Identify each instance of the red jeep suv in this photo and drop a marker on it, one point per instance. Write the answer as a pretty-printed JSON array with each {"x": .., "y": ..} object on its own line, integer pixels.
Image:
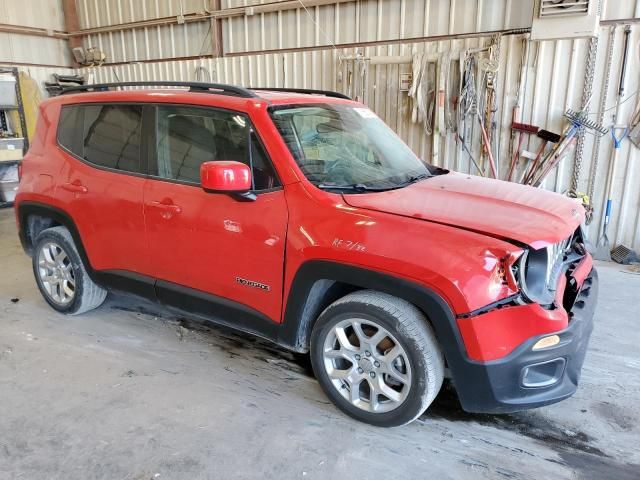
[{"x": 300, "y": 217}]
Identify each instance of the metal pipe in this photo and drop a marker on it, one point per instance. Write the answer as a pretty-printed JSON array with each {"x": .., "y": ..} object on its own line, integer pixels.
[
  {"x": 395, "y": 41},
  {"x": 6, "y": 63},
  {"x": 619, "y": 21},
  {"x": 33, "y": 31},
  {"x": 326, "y": 47},
  {"x": 405, "y": 59},
  {"x": 382, "y": 60},
  {"x": 625, "y": 53}
]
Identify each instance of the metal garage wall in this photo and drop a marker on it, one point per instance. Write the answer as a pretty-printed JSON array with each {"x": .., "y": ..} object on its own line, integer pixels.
[
  {"x": 366, "y": 21},
  {"x": 24, "y": 49},
  {"x": 625, "y": 221},
  {"x": 555, "y": 72},
  {"x": 342, "y": 23},
  {"x": 620, "y": 9},
  {"x": 186, "y": 40}
]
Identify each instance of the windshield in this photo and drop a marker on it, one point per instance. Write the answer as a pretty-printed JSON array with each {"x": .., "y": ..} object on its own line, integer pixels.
[{"x": 346, "y": 146}]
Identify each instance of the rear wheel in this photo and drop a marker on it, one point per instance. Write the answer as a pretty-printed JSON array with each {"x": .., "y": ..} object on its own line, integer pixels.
[
  {"x": 61, "y": 276},
  {"x": 377, "y": 358}
]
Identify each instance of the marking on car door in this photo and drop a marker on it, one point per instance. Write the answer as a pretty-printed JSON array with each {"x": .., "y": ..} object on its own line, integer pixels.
[{"x": 253, "y": 284}]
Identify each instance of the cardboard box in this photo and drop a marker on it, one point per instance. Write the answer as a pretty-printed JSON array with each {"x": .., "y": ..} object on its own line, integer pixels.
[{"x": 11, "y": 149}]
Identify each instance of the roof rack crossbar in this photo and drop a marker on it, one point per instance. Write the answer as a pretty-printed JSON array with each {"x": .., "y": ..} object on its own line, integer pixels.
[
  {"x": 326, "y": 93},
  {"x": 218, "y": 88}
]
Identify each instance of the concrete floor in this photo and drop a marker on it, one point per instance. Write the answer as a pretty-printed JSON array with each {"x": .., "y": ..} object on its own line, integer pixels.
[{"x": 130, "y": 391}]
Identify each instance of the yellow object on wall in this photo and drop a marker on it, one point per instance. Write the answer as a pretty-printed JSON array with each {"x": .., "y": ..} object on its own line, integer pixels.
[{"x": 31, "y": 98}]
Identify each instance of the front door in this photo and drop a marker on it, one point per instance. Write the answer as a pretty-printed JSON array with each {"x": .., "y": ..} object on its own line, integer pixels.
[{"x": 208, "y": 245}]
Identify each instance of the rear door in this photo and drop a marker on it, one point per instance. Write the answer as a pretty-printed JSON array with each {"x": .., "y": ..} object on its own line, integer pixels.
[
  {"x": 209, "y": 245},
  {"x": 102, "y": 182}
]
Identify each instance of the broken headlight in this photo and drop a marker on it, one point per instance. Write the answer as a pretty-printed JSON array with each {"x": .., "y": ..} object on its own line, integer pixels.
[{"x": 538, "y": 272}]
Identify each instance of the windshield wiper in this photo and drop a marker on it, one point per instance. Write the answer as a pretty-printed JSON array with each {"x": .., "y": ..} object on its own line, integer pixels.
[
  {"x": 354, "y": 187},
  {"x": 413, "y": 179},
  {"x": 361, "y": 187}
]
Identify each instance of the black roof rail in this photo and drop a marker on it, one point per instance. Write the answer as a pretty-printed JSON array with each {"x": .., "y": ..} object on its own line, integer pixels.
[
  {"x": 217, "y": 88},
  {"x": 326, "y": 93}
]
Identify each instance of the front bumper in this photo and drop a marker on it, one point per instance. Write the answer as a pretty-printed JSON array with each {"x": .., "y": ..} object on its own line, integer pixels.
[{"x": 525, "y": 378}]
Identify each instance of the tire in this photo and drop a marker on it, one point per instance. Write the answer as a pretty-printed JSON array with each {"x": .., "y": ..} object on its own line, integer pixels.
[
  {"x": 349, "y": 346},
  {"x": 70, "y": 289}
]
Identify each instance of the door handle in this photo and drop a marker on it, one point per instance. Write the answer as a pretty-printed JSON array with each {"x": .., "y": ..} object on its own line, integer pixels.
[
  {"x": 167, "y": 207},
  {"x": 74, "y": 188}
]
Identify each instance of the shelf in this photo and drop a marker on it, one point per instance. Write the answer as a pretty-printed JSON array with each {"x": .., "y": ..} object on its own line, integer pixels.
[{"x": 9, "y": 107}]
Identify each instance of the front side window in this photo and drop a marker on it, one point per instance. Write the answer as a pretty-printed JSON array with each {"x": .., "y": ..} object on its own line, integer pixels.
[
  {"x": 344, "y": 146},
  {"x": 104, "y": 135},
  {"x": 190, "y": 136}
]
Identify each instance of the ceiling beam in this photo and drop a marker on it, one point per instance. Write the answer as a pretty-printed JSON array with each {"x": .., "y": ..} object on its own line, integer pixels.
[{"x": 71, "y": 24}]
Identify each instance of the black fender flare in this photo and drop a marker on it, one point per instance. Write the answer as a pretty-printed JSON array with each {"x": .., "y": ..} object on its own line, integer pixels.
[
  {"x": 299, "y": 317},
  {"x": 28, "y": 208}
]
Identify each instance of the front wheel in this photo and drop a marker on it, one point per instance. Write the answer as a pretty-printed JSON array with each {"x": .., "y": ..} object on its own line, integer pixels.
[{"x": 377, "y": 358}]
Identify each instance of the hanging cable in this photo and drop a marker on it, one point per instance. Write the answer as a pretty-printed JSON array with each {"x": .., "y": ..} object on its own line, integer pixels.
[
  {"x": 206, "y": 35},
  {"x": 321, "y": 30}
]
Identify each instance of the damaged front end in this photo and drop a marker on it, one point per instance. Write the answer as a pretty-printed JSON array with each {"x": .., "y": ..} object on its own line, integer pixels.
[
  {"x": 544, "y": 274},
  {"x": 548, "y": 282},
  {"x": 528, "y": 350}
]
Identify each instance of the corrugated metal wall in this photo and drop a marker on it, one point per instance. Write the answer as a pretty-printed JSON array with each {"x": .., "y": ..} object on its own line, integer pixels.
[
  {"x": 15, "y": 48},
  {"x": 343, "y": 23},
  {"x": 189, "y": 39},
  {"x": 366, "y": 21},
  {"x": 555, "y": 72}
]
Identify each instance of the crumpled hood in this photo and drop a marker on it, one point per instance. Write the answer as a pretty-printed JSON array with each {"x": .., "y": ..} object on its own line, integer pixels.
[{"x": 502, "y": 209}]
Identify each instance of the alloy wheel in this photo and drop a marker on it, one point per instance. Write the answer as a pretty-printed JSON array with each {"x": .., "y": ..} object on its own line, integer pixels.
[
  {"x": 56, "y": 273},
  {"x": 367, "y": 365}
]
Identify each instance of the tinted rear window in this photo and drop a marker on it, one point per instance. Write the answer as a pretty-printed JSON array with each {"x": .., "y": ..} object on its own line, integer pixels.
[
  {"x": 104, "y": 135},
  {"x": 70, "y": 123}
]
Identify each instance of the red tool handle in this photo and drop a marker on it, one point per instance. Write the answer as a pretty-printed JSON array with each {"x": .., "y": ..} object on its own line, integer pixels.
[{"x": 516, "y": 154}]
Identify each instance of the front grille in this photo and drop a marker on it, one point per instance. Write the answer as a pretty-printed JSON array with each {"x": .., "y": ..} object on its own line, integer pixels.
[{"x": 557, "y": 256}]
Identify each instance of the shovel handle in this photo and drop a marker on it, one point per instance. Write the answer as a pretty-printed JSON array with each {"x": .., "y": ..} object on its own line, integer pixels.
[{"x": 607, "y": 212}]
